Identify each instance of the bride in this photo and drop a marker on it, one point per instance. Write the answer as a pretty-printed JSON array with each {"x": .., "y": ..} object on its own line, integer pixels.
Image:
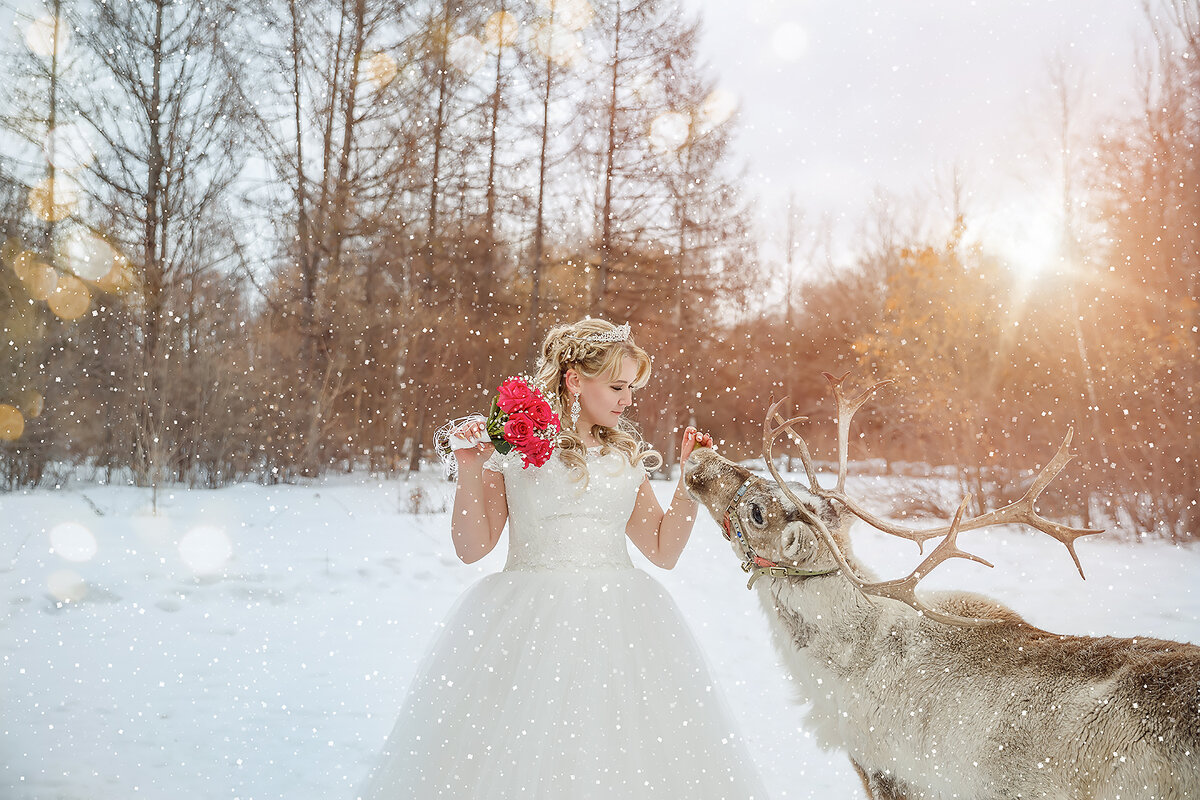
[{"x": 570, "y": 674}]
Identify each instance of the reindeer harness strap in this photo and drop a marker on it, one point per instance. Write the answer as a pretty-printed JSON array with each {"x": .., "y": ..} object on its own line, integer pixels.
[{"x": 752, "y": 562}]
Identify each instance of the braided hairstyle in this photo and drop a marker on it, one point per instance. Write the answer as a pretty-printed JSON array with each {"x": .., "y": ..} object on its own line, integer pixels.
[{"x": 565, "y": 347}]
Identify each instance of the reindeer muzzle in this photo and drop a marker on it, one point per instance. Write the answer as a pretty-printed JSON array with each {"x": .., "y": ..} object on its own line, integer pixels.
[{"x": 732, "y": 526}]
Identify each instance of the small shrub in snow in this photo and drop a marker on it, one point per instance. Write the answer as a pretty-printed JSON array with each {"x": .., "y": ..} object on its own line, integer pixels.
[{"x": 421, "y": 501}]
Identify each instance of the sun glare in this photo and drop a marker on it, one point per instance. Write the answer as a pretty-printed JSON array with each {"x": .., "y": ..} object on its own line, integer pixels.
[{"x": 1027, "y": 238}]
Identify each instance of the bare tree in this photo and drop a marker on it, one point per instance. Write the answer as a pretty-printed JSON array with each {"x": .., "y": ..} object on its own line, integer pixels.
[
  {"x": 336, "y": 129},
  {"x": 32, "y": 255},
  {"x": 702, "y": 219},
  {"x": 641, "y": 37},
  {"x": 1141, "y": 184},
  {"x": 166, "y": 132},
  {"x": 1067, "y": 89}
]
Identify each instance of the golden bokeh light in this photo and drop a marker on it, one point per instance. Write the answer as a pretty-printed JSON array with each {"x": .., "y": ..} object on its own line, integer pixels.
[
  {"x": 573, "y": 15},
  {"x": 33, "y": 405},
  {"x": 70, "y": 299},
  {"x": 718, "y": 107},
  {"x": 55, "y": 200},
  {"x": 557, "y": 43},
  {"x": 669, "y": 131},
  {"x": 12, "y": 423},
  {"x": 40, "y": 279},
  {"x": 68, "y": 147},
  {"x": 120, "y": 278},
  {"x": 73, "y": 542},
  {"x": 645, "y": 88},
  {"x": 466, "y": 54},
  {"x": 381, "y": 69},
  {"x": 85, "y": 254},
  {"x": 500, "y": 31},
  {"x": 66, "y": 585},
  {"x": 39, "y": 36},
  {"x": 206, "y": 550}
]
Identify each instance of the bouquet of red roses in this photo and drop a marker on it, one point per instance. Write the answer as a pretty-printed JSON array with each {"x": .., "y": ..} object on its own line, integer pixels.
[{"x": 520, "y": 419}]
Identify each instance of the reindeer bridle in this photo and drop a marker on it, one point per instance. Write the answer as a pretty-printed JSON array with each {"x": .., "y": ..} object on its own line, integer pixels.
[{"x": 732, "y": 525}]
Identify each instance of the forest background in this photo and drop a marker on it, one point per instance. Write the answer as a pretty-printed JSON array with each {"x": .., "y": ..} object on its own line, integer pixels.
[{"x": 270, "y": 240}]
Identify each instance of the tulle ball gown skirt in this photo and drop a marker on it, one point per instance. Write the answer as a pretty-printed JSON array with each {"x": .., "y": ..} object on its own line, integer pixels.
[{"x": 561, "y": 684}]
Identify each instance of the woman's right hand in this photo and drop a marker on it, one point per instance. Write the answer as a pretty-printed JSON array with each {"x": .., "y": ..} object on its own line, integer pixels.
[{"x": 472, "y": 430}]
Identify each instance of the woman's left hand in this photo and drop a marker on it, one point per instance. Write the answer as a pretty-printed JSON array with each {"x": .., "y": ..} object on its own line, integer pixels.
[{"x": 692, "y": 439}]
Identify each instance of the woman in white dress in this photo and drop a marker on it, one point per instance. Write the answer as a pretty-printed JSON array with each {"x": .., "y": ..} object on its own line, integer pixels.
[{"x": 570, "y": 674}]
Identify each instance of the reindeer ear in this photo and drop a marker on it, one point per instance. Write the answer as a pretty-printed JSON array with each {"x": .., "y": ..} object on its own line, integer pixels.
[
  {"x": 817, "y": 506},
  {"x": 801, "y": 491},
  {"x": 812, "y": 503}
]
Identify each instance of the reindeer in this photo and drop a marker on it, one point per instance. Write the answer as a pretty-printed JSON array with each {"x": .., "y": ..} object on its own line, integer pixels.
[{"x": 949, "y": 695}]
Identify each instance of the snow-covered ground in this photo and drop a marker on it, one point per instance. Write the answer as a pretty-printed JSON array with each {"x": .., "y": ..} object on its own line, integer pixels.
[{"x": 255, "y": 642}]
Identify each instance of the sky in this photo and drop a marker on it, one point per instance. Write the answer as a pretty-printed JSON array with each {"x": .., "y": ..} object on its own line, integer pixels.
[{"x": 840, "y": 98}]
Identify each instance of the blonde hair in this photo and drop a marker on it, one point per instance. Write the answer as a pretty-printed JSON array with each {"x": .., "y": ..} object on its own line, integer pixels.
[{"x": 567, "y": 347}]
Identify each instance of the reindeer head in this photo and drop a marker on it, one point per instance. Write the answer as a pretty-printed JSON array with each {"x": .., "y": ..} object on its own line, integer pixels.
[
  {"x": 775, "y": 527},
  {"x": 793, "y": 530}
]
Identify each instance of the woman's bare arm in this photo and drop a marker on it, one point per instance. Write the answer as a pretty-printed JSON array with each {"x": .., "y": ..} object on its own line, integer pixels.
[
  {"x": 661, "y": 536},
  {"x": 480, "y": 502}
]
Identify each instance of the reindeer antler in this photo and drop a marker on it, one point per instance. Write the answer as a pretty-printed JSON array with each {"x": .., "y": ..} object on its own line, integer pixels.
[
  {"x": 1021, "y": 511},
  {"x": 847, "y": 408},
  {"x": 769, "y": 436}
]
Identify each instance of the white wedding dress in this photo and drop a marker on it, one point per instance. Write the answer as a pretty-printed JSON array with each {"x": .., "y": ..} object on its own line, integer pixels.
[{"x": 570, "y": 674}]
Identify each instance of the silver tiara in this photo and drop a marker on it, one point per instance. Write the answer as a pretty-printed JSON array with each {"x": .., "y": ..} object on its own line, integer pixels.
[{"x": 618, "y": 334}]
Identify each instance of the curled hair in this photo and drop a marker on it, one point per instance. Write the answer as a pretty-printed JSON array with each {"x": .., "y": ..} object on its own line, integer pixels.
[{"x": 566, "y": 347}]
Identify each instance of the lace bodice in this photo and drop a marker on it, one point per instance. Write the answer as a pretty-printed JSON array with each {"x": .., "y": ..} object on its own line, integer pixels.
[{"x": 557, "y": 523}]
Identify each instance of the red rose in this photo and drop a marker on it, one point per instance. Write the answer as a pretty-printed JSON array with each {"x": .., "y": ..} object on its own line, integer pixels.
[
  {"x": 515, "y": 395},
  {"x": 542, "y": 415},
  {"x": 536, "y": 452},
  {"x": 527, "y": 421},
  {"x": 519, "y": 430}
]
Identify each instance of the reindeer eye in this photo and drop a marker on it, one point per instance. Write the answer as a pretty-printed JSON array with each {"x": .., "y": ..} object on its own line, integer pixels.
[{"x": 756, "y": 514}]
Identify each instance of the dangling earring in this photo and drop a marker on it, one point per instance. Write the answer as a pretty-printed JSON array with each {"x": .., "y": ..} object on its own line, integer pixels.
[{"x": 575, "y": 411}]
